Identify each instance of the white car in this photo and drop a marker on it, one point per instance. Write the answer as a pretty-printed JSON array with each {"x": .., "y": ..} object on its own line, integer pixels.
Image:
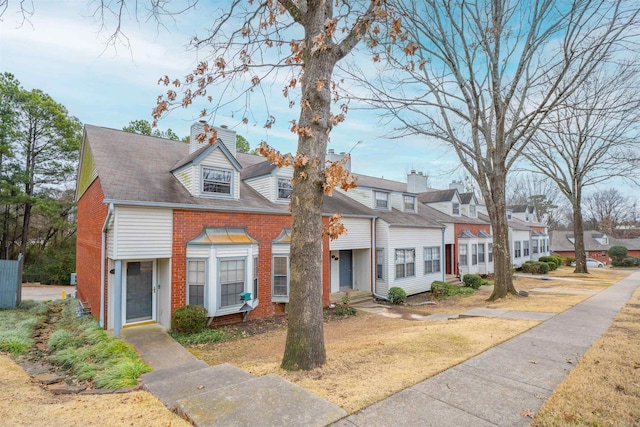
[{"x": 594, "y": 263}]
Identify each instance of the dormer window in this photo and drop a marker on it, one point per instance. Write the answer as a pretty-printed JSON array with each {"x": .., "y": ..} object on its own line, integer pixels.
[
  {"x": 216, "y": 181},
  {"x": 605, "y": 240},
  {"x": 284, "y": 188},
  {"x": 382, "y": 200},
  {"x": 472, "y": 211},
  {"x": 409, "y": 203},
  {"x": 509, "y": 212},
  {"x": 456, "y": 208}
]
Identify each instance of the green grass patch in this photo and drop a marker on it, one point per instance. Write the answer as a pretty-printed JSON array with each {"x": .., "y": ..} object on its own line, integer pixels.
[
  {"x": 16, "y": 327},
  {"x": 209, "y": 335},
  {"x": 83, "y": 348}
]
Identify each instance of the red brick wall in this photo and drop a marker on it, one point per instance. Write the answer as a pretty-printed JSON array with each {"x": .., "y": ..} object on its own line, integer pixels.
[
  {"x": 474, "y": 228},
  {"x": 262, "y": 227},
  {"x": 91, "y": 215}
]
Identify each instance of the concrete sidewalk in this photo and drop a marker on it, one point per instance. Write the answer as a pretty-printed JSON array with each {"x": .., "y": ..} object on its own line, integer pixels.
[
  {"x": 222, "y": 395},
  {"x": 506, "y": 383}
]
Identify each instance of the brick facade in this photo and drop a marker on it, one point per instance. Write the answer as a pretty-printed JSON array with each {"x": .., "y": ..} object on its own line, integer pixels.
[
  {"x": 92, "y": 213},
  {"x": 262, "y": 227}
]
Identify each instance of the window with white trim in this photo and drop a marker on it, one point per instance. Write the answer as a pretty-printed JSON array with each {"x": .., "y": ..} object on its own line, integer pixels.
[
  {"x": 481, "y": 253},
  {"x": 405, "y": 263},
  {"x": 216, "y": 181},
  {"x": 280, "y": 277},
  {"x": 409, "y": 203},
  {"x": 431, "y": 259},
  {"x": 382, "y": 199},
  {"x": 517, "y": 249},
  {"x": 232, "y": 281},
  {"x": 196, "y": 282},
  {"x": 525, "y": 248},
  {"x": 534, "y": 246},
  {"x": 474, "y": 254},
  {"x": 380, "y": 264},
  {"x": 255, "y": 278},
  {"x": 455, "y": 208},
  {"x": 462, "y": 255},
  {"x": 472, "y": 211},
  {"x": 490, "y": 252},
  {"x": 284, "y": 188}
]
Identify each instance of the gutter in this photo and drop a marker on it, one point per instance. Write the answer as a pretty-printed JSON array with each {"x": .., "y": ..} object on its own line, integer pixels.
[
  {"x": 443, "y": 259},
  {"x": 105, "y": 229},
  {"x": 373, "y": 259}
]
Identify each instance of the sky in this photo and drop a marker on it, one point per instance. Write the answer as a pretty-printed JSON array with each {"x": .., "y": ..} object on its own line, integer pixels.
[{"x": 62, "y": 50}]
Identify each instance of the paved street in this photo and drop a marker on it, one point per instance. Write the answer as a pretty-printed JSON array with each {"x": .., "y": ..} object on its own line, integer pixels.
[{"x": 45, "y": 292}]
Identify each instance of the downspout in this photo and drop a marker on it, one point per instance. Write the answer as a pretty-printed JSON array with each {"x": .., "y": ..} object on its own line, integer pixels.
[
  {"x": 443, "y": 262},
  {"x": 373, "y": 260},
  {"x": 105, "y": 229}
]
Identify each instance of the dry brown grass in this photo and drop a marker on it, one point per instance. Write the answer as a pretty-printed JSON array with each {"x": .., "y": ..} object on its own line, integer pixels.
[
  {"x": 563, "y": 278},
  {"x": 370, "y": 357},
  {"x": 22, "y": 403},
  {"x": 604, "y": 389}
]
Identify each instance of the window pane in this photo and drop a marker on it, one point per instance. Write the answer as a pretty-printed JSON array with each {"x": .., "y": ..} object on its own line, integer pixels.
[
  {"x": 280, "y": 276},
  {"x": 280, "y": 265},
  {"x": 284, "y": 188},
  {"x": 216, "y": 181},
  {"x": 232, "y": 283}
]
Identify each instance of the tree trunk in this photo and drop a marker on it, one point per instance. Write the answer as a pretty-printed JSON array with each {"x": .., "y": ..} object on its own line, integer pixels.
[
  {"x": 497, "y": 207},
  {"x": 305, "y": 333},
  {"x": 578, "y": 233}
]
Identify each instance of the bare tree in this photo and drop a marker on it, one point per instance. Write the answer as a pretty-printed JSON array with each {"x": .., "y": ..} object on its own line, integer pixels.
[
  {"x": 589, "y": 138},
  {"x": 607, "y": 209},
  {"x": 482, "y": 77},
  {"x": 297, "y": 44},
  {"x": 540, "y": 192}
]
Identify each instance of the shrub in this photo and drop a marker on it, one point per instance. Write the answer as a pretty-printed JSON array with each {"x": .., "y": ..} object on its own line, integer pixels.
[
  {"x": 545, "y": 267},
  {"x": 630, "y": 261},
  {"x": 530, "y": 267},
  {"x": 618, "y": 253},
  {"x": 569, "y": 260},
  {"x": 556, "y": 260},
  {"x": 190, "y": 319},
  {"x": 439, "y": 289},
  {"x": 472, "y": 280},
  {"x": 208, "y": 335},
  {"x": 345, "y": 310},
  {"x": 397, "y": 295}
]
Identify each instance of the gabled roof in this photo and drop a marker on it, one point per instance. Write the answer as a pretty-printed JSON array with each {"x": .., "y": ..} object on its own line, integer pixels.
[
  {"x": 380, "y": 183},
  {"x": 259, "y": 169},
  {"x": 136, "y": 169},
  {"x": 437, "y": 196},
  {"x": 284, "y": 237},
  {"x": 483, "y": 233},
  {"x": 559, "y": 241},
  {"x": 630, "y": 244},
  {"x": 521, "y": 208},
  {"x": 466, "y": 198},
  {"x": 198, "y": 155}
]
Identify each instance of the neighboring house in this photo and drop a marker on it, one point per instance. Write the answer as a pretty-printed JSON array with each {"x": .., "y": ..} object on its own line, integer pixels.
[
  {"x": 468, "y": 238},
  {"x": 408, "y": 243},
  {"x": 596, "y": 244}
]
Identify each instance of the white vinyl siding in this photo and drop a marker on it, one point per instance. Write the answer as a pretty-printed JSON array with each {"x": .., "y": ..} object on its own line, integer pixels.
[
  {"x": 382, "y": 242},
  {"x": 408, "y": 237},
  {"x": 111, "y": 236},
  {"x": 142, "y": 233},
  {"x": 358, "y": 235},
  {"x": 185, "y": 176},
  {"x": 263, "y": 185}
]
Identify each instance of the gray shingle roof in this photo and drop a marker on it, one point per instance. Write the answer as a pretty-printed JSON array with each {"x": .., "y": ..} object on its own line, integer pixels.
[
  {"x": 559, "y": 241},
  {"x": 465, "y": 198},
  {"x": 437, "y": 196},
  {"x": 380, "y": 183},
  {"x": 258, "y": 169}
]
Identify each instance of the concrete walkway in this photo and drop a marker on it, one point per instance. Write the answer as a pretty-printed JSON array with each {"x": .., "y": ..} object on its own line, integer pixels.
[
  {"x": 222, "y": 395},
  {"x": 509, "y": 382}
]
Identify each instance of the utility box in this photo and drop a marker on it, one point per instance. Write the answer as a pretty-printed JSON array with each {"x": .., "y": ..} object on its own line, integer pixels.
[{"x": 73, "y": 280}]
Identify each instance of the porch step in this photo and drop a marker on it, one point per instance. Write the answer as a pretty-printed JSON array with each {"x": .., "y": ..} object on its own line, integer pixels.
[
  {"x": 354, "y": 297},
  {"x": 453, "y": 280},
  {"x": 266, "y": 401}
]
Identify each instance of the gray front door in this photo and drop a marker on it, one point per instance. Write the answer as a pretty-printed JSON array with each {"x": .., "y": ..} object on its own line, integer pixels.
[
  {"x": 139, "y": 291},
  {"x": 346, "y": 267}
]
